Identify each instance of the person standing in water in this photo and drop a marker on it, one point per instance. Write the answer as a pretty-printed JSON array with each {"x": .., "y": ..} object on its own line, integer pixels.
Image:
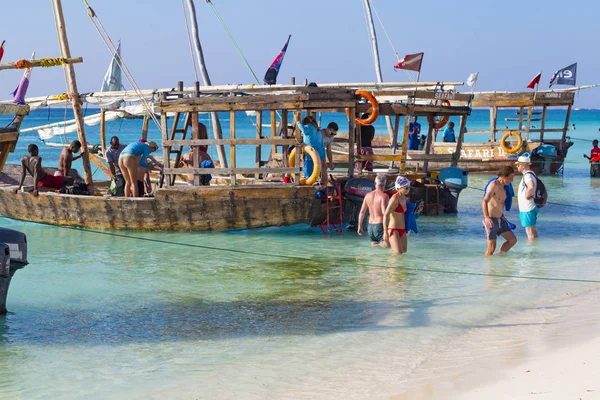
[
  {"x": 494, "y": 222},
  {"x": 376, "y": 202},
  {"x": 528, "y": 210},
  {"x": 394, "y": 225}
]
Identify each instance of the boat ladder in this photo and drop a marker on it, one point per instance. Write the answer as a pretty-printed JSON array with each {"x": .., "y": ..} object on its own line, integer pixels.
[{"x": 334, "y": 204}]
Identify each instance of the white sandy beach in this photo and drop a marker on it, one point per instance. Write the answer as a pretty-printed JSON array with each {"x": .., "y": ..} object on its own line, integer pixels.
[{"x": 550, "y": 352}]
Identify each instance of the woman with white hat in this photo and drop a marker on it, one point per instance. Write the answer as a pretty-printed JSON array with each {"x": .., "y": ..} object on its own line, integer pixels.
[{"x": 394, "y": 230}]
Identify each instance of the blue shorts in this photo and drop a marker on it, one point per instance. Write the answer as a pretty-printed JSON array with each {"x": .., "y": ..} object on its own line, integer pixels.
[{"x": 529, "y": 218}]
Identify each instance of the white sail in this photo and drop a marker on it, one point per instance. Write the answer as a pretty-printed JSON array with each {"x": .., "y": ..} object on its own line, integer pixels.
[{"x": 112, "y": 80}]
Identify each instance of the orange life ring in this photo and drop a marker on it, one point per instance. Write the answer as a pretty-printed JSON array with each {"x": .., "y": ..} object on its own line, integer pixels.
[
  {"x": 515, "y": 149},
  {"x": 374, "y": 109},
  {"x": 442, "y": 122}
]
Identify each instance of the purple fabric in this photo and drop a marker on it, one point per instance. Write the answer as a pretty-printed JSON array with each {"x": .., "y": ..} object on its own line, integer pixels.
[{"x": 21, "y": 90}]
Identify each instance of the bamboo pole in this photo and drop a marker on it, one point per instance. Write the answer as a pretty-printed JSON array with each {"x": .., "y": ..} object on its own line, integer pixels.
[
  {"x": 103, "y": 130},
  {"x": 217, "y": 131},
  {"x": 38, "y": 63},
  {"x": 375, "y": 48},
  {"x": 73, "y": 93}
]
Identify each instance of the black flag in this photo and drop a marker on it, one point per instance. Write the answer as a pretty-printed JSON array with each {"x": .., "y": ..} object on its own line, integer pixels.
[
  {"x": 271, "y": 75},
  {"x": 565, "y": 76}
]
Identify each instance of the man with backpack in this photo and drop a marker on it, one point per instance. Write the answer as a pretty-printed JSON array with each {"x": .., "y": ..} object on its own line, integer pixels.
[{"x": 531, "y": 196}]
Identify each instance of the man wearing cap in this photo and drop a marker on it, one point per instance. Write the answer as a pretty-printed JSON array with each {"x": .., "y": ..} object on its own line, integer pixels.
[
  {"x": 376, "y": 202},
  {"x": 528, "y": 210}
]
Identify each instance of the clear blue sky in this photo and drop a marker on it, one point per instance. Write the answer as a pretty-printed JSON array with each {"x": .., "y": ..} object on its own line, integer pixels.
[{"x": 508, "y": 42}]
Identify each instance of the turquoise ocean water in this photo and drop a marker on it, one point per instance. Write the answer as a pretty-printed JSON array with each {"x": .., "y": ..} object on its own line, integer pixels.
[{"x": 277, "y": 312}]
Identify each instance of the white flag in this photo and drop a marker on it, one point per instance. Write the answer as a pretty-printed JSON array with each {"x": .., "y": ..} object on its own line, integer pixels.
[{"x": 472, "y": 79}]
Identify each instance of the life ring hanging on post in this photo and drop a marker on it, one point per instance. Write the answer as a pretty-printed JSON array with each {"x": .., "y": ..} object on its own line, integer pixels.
[
  {"x": 374, "y": 109},
  {"x": 316, "y": 174},
  {"x": 442, "y": 122},
  {"x": 515, "y": 149}
]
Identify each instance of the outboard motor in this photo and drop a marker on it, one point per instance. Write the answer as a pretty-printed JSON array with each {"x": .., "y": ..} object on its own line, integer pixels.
[
  {"x": 13, "y": 256},
  {"x": 455, "y": 180},
  {"x": 355, "y": 191}
]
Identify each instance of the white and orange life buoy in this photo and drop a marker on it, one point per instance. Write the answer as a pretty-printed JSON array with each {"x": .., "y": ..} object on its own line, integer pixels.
[{"x": 512, "y": 149}]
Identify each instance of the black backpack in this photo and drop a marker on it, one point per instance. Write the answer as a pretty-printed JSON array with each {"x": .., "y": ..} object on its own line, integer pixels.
[
  {"x": 541, "y": 195},
  {"x": 77, "y": 188}
]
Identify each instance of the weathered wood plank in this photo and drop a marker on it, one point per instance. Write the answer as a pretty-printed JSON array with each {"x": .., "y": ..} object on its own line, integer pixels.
[
  {"x": 199, "y": 142},
  {"x": 230, "y": 171}
]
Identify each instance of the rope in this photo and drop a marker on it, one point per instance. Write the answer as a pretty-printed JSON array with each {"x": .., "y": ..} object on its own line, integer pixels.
[
  {"x": 553, "y": 203},
  {"x": 233, "y": 40},
  {"x": 189, "y": 36},
  {"x": 390, "y": 41},
  {"x": 296, "y": 258},
  {"x": 23, "y": 64},
  {"x": 113, "y": 50},
  {"x": 52, "y": 62}
]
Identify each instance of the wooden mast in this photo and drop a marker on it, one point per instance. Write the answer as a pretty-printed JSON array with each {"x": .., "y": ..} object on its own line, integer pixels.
[
  {"x": 73, "y": 93},
  {"x": 376, "y": 58},
  {"x": 217, "y": 131}
]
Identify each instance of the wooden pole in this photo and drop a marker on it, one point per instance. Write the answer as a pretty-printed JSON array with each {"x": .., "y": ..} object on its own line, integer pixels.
[
  {"x": 461, "y": 138},
  {"x": 566, "y": 127},
  {"x": 493, "y": 122},
  {"x": 103, "y": 130},
  {"x": 428, "y": 142},
  {"x": 195, "y": 149},
  {"x": 217, "y": 131},
  {"x": 38, "y": 63},
  {"x": 376, "y": 62},
  {"x": 405, "y": 142},
  {"x": 232, "y": 147},
  {"x": 351, "y": 135},
  {"x": 543, "y": 127},
  {"x": 145, "y": 127},
  {"x": 73, "y": 93}
]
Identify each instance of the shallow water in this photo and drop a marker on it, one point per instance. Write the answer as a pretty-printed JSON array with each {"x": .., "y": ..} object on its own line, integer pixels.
[{"x": 277, "y": 312}]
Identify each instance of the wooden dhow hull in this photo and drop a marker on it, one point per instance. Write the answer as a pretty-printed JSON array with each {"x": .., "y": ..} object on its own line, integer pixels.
[{"x": 175, "y": 209}]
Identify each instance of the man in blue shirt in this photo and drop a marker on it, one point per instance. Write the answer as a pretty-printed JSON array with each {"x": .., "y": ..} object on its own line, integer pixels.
[
  {"x": 414, "y": 130},
  {"x": 449, "y": 133}
]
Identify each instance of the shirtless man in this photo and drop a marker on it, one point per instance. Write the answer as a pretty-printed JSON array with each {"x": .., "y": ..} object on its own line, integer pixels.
[
  {"x": 33, "y": 165},
  {"x": 66, "y": 158},
  {"x": 493, "y": 205},
  {"x": 376, "y": 202},
  {"x": 204, "y": 161}
]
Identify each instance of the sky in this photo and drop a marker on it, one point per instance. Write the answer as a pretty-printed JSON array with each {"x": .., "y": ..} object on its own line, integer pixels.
[{"x": 507, "y": 42}]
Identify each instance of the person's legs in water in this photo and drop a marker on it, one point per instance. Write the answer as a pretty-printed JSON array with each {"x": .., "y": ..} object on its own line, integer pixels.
[
  {"x": 511, "y": 240},
  {"x": 395, "y": 238}
]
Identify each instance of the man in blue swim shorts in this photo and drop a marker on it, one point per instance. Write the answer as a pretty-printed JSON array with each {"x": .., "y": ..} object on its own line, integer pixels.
[{"x": 528, "y": 210}]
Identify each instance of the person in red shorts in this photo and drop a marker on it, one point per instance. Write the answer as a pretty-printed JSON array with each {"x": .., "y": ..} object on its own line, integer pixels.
[{"x": 33, "y": 165}]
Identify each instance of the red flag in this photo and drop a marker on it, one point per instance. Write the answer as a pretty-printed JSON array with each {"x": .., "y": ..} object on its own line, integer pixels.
[
  {"x": 535, "y": 81},
  {"x": 411, "y": 62},
  {"x": 2, "y": 50}
]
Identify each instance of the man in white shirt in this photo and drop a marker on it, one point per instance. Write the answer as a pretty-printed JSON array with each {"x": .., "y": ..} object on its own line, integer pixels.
[{"x": 528, "y": 210}]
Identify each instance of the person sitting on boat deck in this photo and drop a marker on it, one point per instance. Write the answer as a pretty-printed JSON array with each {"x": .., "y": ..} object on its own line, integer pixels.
[
  {"x": 376, "y": 202},
  {"x": 595, "y": 153},
  {"x": 204, "y": 160},
  {"x": 312, "y": 137},
  {"x": 33, "y": 165},
  {"x": 66, "y": 158},
  {"x": 367, "y": 134},
  {"x": 449, "y": 135},
  {"x": 493, "y": 204},
  {"x": 132, "y": 156},
  {"x": 414, "y": 130},
  {"x": 328, "y": 135},
  {"x": 394, "y": 223}
]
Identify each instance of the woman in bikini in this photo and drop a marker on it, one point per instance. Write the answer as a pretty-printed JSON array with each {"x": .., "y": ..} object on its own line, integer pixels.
[{"x": 394, "y": 228}]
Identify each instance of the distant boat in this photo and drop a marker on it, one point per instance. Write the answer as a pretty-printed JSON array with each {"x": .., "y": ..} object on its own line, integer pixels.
[
  {"x": 534, "y": 112},
  {"x": 524, "y": 119}
]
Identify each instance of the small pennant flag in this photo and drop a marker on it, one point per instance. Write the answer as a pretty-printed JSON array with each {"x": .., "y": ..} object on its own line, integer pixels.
[
  {"x": 472, "y": 79},
  {"x": 411, "y": 62},
  {"x": 271, "y": 75},
  {"x": 535, "y": 81},
  {"x": 2, "y": 50},
  {"x": 565, "y": 76}
]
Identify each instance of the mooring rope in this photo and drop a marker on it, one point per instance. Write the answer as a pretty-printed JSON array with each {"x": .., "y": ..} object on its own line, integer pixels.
[{"x": 296, "y": 258}]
